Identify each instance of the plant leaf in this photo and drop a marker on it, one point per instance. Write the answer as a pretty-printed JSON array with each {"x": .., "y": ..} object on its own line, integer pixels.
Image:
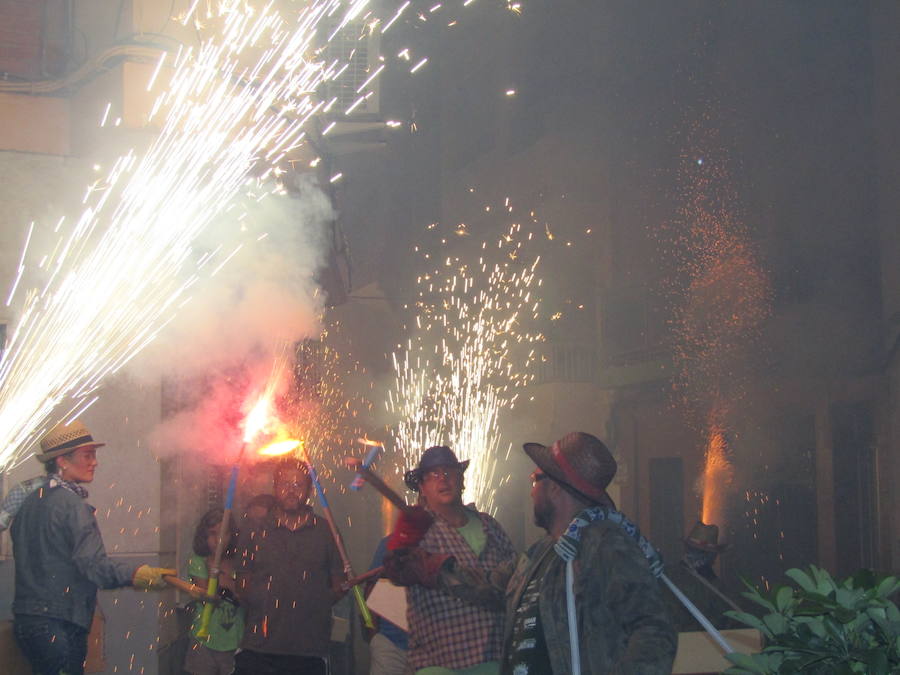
[{"x": 802, "y": 579}]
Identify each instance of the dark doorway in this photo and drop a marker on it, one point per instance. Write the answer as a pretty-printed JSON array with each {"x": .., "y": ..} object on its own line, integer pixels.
[
  {"x": 853, "y": 438},
  {"x": 667, "y": 506}
]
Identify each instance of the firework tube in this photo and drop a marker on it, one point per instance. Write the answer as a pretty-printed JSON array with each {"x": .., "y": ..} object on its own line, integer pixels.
[
  {"x": 213, "y": 584},
  {"x": 339, "y": 544},
  {"x": 359, "y": 480},
  {"x": 697, "y": 614},
  {"x": 362, "y": 578}
]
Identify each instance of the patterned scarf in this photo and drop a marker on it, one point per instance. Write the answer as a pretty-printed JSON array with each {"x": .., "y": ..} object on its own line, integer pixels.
[
  {"x": 55, "y": 479},
  {"x": 567, "y": 545}
]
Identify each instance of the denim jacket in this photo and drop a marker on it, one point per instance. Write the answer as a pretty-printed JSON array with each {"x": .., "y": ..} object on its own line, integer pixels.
[{"x": 60, "y": 558}]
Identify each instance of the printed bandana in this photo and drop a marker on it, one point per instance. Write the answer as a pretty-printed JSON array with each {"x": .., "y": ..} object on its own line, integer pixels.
[{"x": 566, "y": 546}]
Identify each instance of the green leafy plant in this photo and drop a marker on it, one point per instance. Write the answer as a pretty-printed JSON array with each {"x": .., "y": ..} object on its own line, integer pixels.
[{"x": 824, "y": 627}]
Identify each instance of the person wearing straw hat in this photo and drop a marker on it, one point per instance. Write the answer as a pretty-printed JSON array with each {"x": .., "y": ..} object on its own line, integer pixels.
[
  {"x": 60, "y": 560},
  {"x": 584, "y": 598},
  {"x": 445, "y": 635}
]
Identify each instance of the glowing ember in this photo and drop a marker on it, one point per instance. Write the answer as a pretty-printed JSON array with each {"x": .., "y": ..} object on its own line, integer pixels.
[{"x": 279, "y": 448}]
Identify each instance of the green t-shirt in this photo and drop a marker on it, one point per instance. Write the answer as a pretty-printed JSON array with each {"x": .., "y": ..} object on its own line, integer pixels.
[
  {"x": 474, "y": 534},
  {"x": 226, "y": 626}
]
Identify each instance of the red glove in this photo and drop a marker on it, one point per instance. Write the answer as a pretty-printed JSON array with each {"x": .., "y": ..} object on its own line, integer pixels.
[
  {"x": 410, "y": 528},
  {"x": 411, "y": 566}
]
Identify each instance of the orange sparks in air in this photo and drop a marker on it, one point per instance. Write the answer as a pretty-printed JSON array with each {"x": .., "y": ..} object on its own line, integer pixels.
[
  {"x": 718, "y": 475},
  {"x": 278, "y": 448}
]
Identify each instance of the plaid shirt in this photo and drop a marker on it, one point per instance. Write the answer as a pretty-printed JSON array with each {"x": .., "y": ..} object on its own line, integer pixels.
[{"x": 445, "y": 631}]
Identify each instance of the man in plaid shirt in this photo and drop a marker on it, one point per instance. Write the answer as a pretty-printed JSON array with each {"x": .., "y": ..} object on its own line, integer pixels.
[{"x": 448, "y": 635}]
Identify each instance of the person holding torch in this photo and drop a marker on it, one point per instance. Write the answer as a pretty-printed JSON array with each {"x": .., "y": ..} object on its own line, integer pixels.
[
  {"x": 60, "y": 559},
  {"x": 289, "y": 576}
]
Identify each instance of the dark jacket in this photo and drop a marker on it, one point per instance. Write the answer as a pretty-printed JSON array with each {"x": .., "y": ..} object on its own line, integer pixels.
[
  {"x": 60, "y": 558},
  {"x": 622, "y": 622},
  {"x": 288, "y": 591}
]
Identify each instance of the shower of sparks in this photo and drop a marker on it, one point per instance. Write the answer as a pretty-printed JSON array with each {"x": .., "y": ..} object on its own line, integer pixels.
[
  {"x": 717, "y": 478},
  {"x": 723, "y": 299},
  {"x": 467, "y": 360},
  {"x": 262, "y": 418},
  {"x": 235, "y": 106},
  {"x": 320, "y": 407}
]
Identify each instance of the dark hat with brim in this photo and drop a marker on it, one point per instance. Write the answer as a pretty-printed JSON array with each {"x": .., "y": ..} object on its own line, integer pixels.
[
  {"x": 580, "y": 461},
  {"x": 65, "y": 438},
  {"x": 432, "y": 458}
]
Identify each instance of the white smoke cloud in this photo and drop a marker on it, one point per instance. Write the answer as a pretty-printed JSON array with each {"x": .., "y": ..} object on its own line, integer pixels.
[{"x": 222, "y": 344}]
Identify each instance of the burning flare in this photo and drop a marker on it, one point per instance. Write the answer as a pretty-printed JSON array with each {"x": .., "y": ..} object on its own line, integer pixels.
[
  {"x": 279, "y": 448},
  {"x": 717, "y": 479}
]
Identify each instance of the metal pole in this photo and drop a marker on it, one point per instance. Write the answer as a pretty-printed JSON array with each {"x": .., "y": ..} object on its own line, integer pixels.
[
  {"x": 697, "y": 614},
  {"x": 339, "y": 544}
]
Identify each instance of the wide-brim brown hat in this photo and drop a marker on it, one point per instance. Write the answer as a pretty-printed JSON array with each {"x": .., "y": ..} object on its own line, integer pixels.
[
  {"x": 579, "y": 460},
  {"x": 705, "y": 537},
  {"x": 433, "y": 457},
  {"x": 65, "y": 438}
]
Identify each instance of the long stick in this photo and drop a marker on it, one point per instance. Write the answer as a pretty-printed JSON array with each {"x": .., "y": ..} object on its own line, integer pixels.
[
  {"x": 193, "y": 589},
  {"x": 359, "y": 480},
  {"x": 339, "y": 544},
  {"x": 699, "y": 577},
  {"x": 697, "y": 614},
  {"x": 213, "y": 584},
  {"x": 383, "y": 488},
  {"x": 362, "y": 578}
]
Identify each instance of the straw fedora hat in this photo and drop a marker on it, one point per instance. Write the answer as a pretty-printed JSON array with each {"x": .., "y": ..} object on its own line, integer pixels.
[
  {"x": 64, "y": 438},
  {"x": 579, "y": 460}
]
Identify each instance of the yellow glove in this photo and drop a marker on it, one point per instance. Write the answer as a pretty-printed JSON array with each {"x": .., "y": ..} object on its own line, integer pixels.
[{"x": 146, "y": 577}]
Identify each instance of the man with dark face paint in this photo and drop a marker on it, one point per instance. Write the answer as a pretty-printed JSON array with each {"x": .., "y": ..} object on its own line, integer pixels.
[{"x": 290, "y": 575}]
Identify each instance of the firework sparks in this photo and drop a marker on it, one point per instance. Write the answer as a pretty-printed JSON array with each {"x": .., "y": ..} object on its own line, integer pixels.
[
  {"x": 717, "y": 478},
  {"x": 236, "y": 104},
  {"x": 279, "y": 448},
  {"x": 463, "y": 368}
]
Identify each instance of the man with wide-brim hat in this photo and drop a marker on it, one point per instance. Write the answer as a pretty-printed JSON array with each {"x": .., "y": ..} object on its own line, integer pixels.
[
  {"x": 593, "y": 562},
  {"x": 447, "y": 636},
  {"x": 60, "y": 559},
  {"x": 622, "y": 621}
]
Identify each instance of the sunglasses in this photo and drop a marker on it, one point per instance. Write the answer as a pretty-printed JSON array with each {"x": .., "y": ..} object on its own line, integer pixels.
[{"x": 437, "y": 474}]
